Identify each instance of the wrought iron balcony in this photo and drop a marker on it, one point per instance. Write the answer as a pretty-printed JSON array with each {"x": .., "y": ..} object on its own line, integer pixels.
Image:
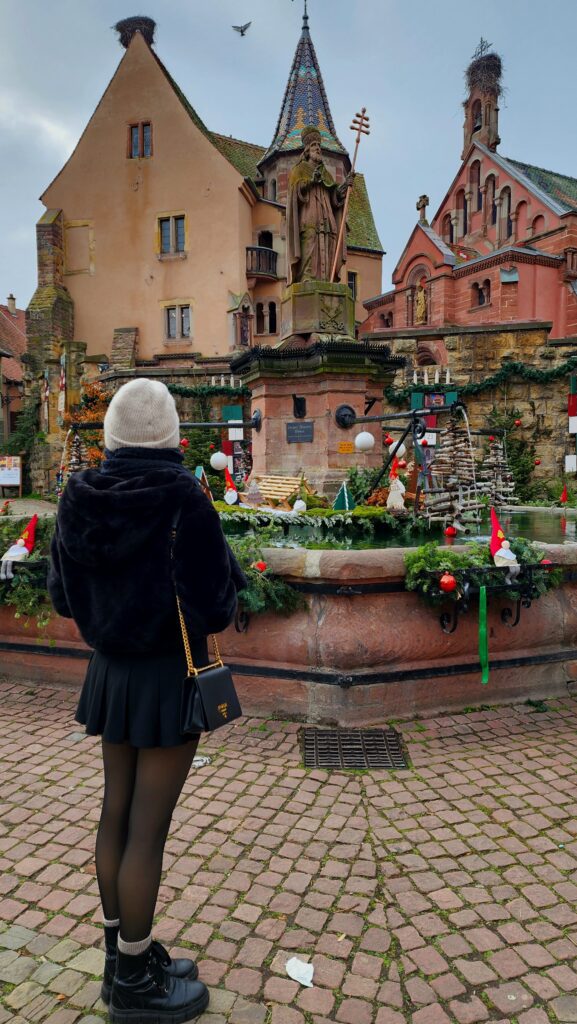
[{"x": 260, "y": 262}]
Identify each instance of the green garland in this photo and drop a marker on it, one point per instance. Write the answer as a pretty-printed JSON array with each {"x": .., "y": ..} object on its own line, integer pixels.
[
  {"x": 204, "y": 390},
  {"x": 477, "y": 559},
  {"x": 397, "y": 396}
]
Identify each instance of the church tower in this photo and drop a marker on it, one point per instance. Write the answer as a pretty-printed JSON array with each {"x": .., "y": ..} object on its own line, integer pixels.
[
  {"x": 483, "y": 79},
  {"x": 305, "y": 103}
]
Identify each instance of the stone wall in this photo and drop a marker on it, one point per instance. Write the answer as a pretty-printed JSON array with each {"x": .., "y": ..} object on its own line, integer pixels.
[
  {"x": 50, "y": 333},
  {"x": 473, "y": 354}
]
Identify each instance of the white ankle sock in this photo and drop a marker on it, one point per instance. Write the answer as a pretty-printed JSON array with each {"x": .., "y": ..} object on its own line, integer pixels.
[
  {"x": 133, "y": 948},
  {"x": 111, "y": 924}
]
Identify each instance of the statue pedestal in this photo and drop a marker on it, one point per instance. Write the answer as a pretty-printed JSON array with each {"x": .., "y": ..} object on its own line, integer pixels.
[
  {"x": 317, "y": 307},
  {"x": 298, "y": 389}
]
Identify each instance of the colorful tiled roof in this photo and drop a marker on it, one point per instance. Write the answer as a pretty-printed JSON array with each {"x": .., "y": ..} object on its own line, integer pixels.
[
  {"x": 242, "y": 155},
  {"x": 362, "y": 229},
  {"x": 559, "y": 186},
  {"x": 305, "y": 102},
  {"x": 12, "y": 339},
  {"x": 245, "y": 156}
]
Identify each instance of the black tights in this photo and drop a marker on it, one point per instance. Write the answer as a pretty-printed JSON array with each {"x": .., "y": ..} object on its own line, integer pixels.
[{"x": 141, "y": 789}]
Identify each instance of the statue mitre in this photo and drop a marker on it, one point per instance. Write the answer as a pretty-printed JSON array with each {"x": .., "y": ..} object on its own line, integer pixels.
[{"x": 310, "y": 134}]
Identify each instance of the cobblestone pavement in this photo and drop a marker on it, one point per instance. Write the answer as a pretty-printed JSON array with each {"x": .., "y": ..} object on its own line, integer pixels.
[{"x": 444, "y": 893}]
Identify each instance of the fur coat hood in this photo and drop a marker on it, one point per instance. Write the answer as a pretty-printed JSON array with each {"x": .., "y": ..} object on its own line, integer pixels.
[{"x": 111, "y": 568}]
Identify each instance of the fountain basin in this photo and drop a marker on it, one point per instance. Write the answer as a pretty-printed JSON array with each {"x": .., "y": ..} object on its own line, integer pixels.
[{"x": 363, "y": 651}]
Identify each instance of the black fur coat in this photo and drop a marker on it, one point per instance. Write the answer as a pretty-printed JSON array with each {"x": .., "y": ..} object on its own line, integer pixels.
[{"x": 110, "y": 559}]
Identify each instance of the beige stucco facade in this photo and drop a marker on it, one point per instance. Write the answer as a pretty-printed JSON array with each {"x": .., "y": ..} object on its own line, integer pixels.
[{"x": 112, "y": 204}]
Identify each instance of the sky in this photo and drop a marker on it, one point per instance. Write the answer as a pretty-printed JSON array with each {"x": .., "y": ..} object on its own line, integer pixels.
[{"x": 404, "y": 62}]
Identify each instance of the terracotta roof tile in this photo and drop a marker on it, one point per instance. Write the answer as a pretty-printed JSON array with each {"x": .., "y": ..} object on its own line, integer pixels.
[{"x": 12, "y": 339}]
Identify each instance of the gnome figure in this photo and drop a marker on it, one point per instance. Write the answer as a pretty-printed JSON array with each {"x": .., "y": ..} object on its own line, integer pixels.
[
  {"x": 18, "y": 551},
  {"x": 501, "y": 549},
  {"x": 505, "y": 557},
  {"x": 395, "y": 500}
]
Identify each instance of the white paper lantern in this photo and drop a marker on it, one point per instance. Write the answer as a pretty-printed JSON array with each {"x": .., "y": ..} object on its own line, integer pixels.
[
  {"x": 219, "y": 460},
  {"x": 398, "y": 449},
  {"x": 231, "y": 496},
  {"x": 364, "y": 441},
  {"x": 300, "y": 505}
]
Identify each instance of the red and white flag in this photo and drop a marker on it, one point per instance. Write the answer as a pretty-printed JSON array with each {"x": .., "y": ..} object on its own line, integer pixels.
[{"x": 62, "y": 385}]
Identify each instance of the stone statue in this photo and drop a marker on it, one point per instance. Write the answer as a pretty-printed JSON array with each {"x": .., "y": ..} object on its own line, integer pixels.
[
  {"x": 314, "y": 211},
  {"x": 421, "y": 305}
]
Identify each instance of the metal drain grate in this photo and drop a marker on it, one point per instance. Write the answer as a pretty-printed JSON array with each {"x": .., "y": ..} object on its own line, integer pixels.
[{"x": 353, "y": 748}]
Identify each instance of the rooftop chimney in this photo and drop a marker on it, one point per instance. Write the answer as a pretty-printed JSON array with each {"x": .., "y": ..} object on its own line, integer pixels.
[{"x": 11, "y": 303}]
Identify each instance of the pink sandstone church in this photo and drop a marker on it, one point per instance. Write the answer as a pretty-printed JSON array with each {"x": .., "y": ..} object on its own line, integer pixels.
[{"x": 501, "y": 248}]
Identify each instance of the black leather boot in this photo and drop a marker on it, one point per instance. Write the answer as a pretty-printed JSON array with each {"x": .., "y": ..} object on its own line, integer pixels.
[
  {"x": 142, "y": 991},
  {"x": 179, "y": 967}
]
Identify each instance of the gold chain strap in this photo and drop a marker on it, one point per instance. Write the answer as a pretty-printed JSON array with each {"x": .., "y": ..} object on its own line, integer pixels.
[{"x": 192, "y": 670}]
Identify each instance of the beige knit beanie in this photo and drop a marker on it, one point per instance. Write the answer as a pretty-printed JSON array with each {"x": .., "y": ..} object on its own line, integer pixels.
[{"x": 142, "y": 414}]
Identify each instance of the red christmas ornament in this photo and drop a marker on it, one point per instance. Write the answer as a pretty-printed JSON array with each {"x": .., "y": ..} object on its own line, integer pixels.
[
  {"x": 402, "y": 464},
  {"x": 546, "y": 561},
  {"x": 261, "y": 566},
  {"x": 447, "y": 582},
  {"x": 184, "y": 442},
  {"x": 518, "y": 423},
  {"x": 491, "y": 438},
  {"x": 450, "y": 531},
  {"x": 389, "y": 440},
  {"x": 537, "y": 462},
  {"x": 424, "y": 443},
  {"x": 211, "y": 446}
]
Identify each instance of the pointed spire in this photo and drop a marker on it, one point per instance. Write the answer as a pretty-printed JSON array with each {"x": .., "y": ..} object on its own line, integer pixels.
[{"x": 305, "y": 101}]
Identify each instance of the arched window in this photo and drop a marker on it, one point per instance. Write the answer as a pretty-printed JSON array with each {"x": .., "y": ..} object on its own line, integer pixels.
[
  {"x": 477, "y": 116},
  {"x": 462, "y": 225},
  {"x": 265, "y": 239},
  {"x": 521, "y": 219},
  {"x": 476, "y": 185},
  {"x": 481, "y": 293},
  {"x": 506, "y": 212},
  {"x": 272, "y": 189},
  {"x": 490, "y": 197},
  {"x": 448, "y": 229},
  {"x": 272, "y": 318},
  {"x": 259, "y": 318},
  {"x": 538, "y": 224},
  {"x": 387, "y": 319}
]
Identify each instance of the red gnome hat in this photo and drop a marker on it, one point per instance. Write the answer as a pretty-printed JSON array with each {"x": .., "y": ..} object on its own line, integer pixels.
[
  {"x": 564, "y": 496},
  {"x": 497, "y": 535},
  {"x": 29, "y": 534},
  {"x": 230, "y": 484}
]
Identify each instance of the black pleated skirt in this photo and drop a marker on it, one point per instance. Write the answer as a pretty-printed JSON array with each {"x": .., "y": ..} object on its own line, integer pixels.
[{"x": 136, "y": 699}]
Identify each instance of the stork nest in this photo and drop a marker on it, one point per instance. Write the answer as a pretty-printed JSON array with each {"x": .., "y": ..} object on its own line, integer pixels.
[
  {"x": 128, "y": 26},
  {"x": 485, "y": 73}
]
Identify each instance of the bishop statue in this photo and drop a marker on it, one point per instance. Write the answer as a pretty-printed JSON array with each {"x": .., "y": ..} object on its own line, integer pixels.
[{"x": 314, "y": 212}]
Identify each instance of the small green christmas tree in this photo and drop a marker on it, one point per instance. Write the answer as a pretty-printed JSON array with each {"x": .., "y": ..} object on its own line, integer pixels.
[
  {"x": 344, "y": 501},
  {"x": 202, "y": 443}
]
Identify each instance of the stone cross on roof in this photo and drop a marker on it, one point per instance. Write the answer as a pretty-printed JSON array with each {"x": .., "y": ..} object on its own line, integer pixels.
[{"x": 422, "y": 203}]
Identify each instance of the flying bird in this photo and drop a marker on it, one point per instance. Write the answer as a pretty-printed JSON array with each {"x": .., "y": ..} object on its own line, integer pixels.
[{"x": 242, "y": 28}]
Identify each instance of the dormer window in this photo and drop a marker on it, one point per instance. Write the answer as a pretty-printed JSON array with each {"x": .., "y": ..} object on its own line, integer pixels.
[{"x": 140, "y": 140}]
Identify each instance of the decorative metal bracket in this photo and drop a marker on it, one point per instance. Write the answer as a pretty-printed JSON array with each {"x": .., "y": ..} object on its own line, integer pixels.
[{"x": 522, "y": 585}]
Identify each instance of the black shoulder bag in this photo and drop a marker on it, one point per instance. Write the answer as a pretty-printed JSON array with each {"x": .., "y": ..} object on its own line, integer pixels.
[{"x": 209, "y": 698}]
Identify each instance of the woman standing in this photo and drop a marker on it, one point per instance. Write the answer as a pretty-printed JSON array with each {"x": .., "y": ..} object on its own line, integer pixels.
[{"x": 128, "y": 537}]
